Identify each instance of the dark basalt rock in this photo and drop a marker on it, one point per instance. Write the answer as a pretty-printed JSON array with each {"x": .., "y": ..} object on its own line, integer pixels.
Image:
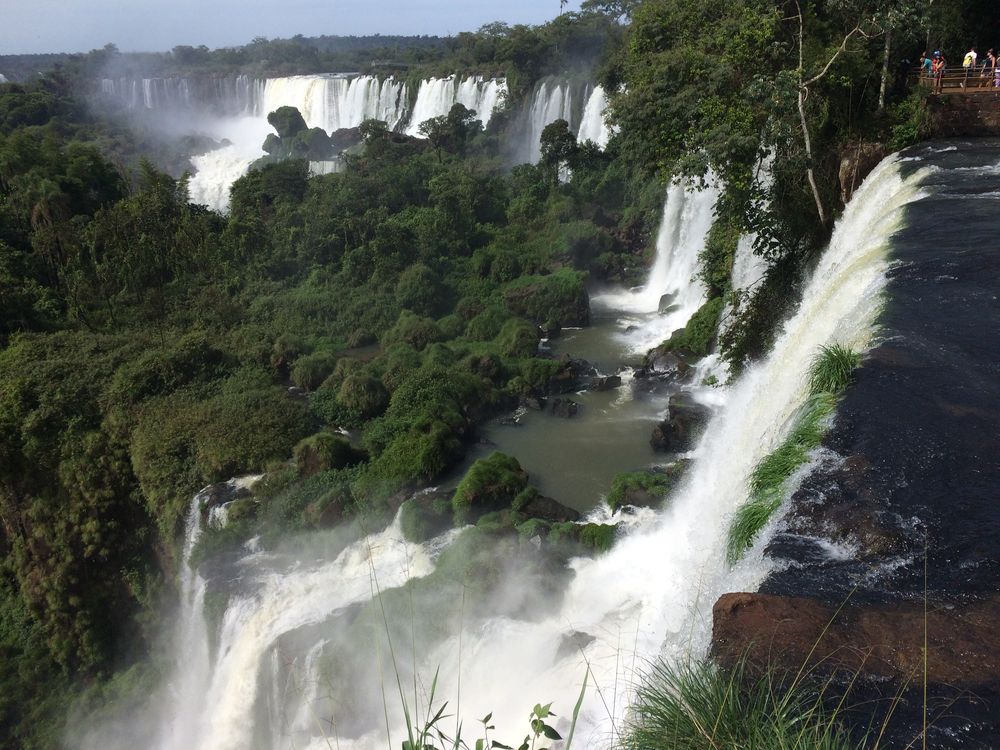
[
  {"x": 219, "y": 494},
  {"x": 605, "y": 382},
  {"x": 684, "y": 422},
  {"x": 573, "y": 375},
  {"x": 564, "y": 407},
  {"x": 536, "y": 403},
  {"x": 533, "y": 504},
  {"x": 666, "y": 303}
]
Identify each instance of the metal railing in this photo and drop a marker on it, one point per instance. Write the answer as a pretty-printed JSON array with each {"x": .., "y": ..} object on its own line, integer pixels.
[{"x": 959, "y": 80}]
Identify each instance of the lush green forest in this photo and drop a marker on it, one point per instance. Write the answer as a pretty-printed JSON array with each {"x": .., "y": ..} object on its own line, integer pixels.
[{"x": 149, "y": 346}]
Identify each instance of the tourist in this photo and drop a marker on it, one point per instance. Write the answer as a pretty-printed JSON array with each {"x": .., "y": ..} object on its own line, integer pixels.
[
  {"x": 969, "y": 64},
  {"x": 926, "y": 64},
  {"x": 989, "y": 68},
  {"x": 937, "y": 69}
]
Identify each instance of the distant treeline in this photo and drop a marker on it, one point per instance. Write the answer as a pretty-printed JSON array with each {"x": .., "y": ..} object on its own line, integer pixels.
[{"x": 522, "y": 54}]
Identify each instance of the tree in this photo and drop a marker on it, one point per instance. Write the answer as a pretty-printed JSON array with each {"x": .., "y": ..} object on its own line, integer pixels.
[{"x": 558, "y": 147}]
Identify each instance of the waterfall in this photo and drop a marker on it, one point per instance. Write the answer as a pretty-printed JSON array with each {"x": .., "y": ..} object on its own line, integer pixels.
[
  {"x": 191, "y": 672},
  {"x": 436, "y": 96},
  {"x": 215, "y": 95},
  {"x": 687, "y": 218},
  {"x": 335, "y": 102},
  {"x": 290, "y": 621},
  {"x": 592, "y": 125}
]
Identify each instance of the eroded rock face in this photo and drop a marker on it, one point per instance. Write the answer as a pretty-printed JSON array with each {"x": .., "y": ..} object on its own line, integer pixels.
[
  {"x": 884, "y": 640},
  {"x": 685, "y": 420},
  {"x": 855, "y": 164}
]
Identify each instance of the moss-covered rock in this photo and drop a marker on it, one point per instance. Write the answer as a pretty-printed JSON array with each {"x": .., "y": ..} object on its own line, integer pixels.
[
  {"x": 491, "y": 484},
  {"x": 322, "y": 452},
  {"x": 574, "y": 538},
  {"x": 645, "y": 489},
  {"x": 699, "y": 333},
  {"x": 363, "y": 394},
  {"x": 288, "y": 121},
  {"x": 530, "y": 503},
  {"x": 425, "y": 516}
]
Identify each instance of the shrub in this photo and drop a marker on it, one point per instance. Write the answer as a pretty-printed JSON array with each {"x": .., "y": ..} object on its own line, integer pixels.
[
  {"x": 518, "y": 338},
  {"x": 560, "y": 297},
  {"x": 397, "y": 363},
  {"x": 311, "y": 370},
  {"x": 451, "y": 326},
  {"x": 486, "y": 325},
  {"x": 362, "y": 394},
  {"x": 697, "y": 705},
  {"x": 419, "y": 290},
  {"x": 412, "y": 329},
  {"x": 322, "y": 452}
]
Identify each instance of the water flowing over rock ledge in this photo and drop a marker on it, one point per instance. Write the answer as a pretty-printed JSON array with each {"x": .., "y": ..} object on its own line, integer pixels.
[{"x": 912, "y": 472}]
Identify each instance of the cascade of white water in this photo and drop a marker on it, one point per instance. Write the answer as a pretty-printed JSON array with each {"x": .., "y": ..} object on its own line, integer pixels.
[
  {"x": 335, "y": 102},
  {"x": 436, "y": 96},
  {"x": 553, "y": 100},
  {"x": 592, "y": 125},
  {"x": 217, "y": 170},
  {"x": 687, "y": 219},
  {"x": 191, "y": 669},
  {"x": 219, "y": 95},
  {"x": 650, "y": 595}
]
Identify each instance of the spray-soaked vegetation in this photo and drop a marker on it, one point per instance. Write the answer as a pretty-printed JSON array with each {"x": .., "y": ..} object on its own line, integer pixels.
[{"x": 828, "y": 378}]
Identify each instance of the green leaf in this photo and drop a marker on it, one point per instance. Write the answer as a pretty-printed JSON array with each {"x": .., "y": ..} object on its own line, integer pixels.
[
  {"x": 500, "y": 746},
  {"x": 480, "y": 743},
  {"x": 551, "y": 733},
  {"x": 487, "y": 717}
]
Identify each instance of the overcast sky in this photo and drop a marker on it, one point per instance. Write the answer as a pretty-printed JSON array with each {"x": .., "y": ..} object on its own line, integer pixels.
[{"x": 156, "y": 25}]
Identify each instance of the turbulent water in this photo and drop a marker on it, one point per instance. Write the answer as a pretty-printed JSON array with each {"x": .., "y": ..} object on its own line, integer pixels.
[{"x": 305, "y": 657}]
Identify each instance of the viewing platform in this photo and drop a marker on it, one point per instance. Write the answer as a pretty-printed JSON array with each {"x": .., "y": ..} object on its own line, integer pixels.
[{"x": 967, "y": 104}]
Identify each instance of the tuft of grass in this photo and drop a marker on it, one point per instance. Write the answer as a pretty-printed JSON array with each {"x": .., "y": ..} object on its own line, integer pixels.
[
  {"x": 832, "y": 368},
  {"x": 697, "y": 706},
  {"x": 829, "y": 377}
]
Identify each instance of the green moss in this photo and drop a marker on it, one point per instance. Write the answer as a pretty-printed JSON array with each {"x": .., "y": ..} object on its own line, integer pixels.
[
  {"x": 697, "y": 336},
  {"x": 768, "y": 481},
  {"x": 716, "y": 259},
  {"x": 646, "y": 486},
  {"x": 490, "y": 484},
  {"x": 598, "y": 536},
  {"x": 322, "y": 452}
]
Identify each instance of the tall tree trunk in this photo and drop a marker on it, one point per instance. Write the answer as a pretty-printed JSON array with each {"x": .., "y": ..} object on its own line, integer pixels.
[{"x": 885, "y": 70}]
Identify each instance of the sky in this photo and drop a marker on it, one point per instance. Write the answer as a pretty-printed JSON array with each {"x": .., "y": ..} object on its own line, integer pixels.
[{"x": 157, "y": 25}]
